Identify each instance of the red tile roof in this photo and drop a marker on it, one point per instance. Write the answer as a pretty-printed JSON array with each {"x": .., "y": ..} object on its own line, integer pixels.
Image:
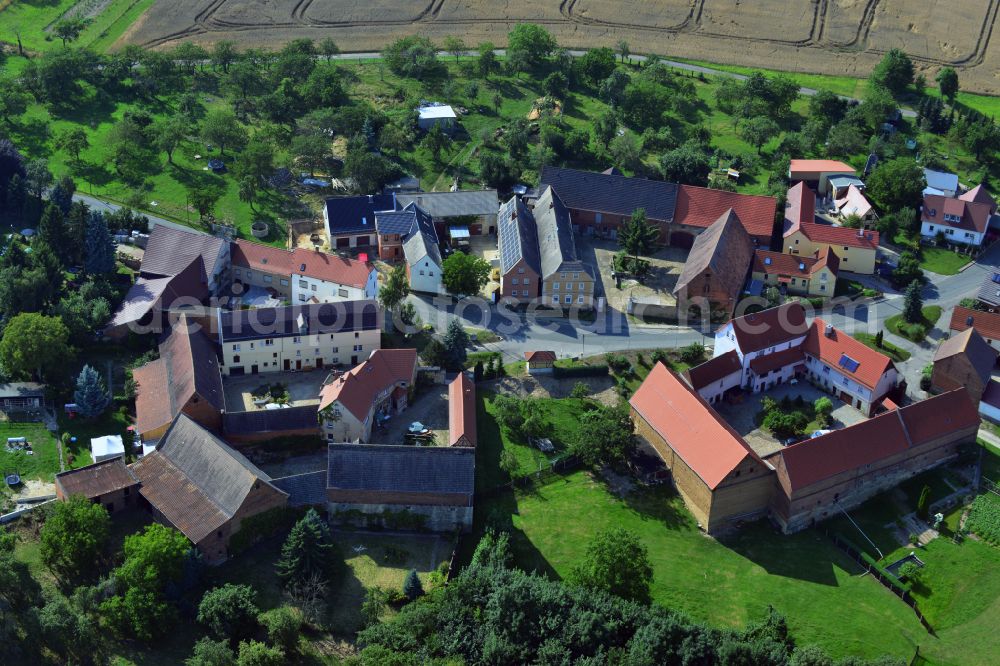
[
  {"x": 776, "y": 263},
  {"x": 762, "y": 365},
  {"x": 881, "y": 437},
  {"x": 461, "y": 410},
  {"x": 986, "y": 323},
  {"x": 358, "y": 388},
  {"x": 973, "y": 215},
  {"x": 700, "y": 207},
  {"x": 818, "y": 166},
  {"x": 300, "y": 261},
  {"x": 152, "y": 397},
  {"x": 830, "y": 235},
  {"x": 800, "y": 207},
  {"x": 540, "y": 356},
  {"x": 713, "y": 370},
  {"x": 979, "y": 194},
  {"x": 706, "y": 443},
  {"x": 830, "y": 349},
  {"x": 770, "y": 327}
]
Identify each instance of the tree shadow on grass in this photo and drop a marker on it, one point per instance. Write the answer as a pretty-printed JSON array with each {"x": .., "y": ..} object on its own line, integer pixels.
[
  {"x": 93, "y": 173},
  {"x": 661, "y": 504}
]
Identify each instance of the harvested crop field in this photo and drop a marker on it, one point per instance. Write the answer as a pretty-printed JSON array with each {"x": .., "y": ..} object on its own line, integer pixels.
[{"x": 823, "y": 36}]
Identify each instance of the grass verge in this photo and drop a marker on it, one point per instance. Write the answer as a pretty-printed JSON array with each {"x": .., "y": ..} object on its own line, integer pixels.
[
  {"x": 941, "y": 261},
  {"x": 897, "y": 354}
]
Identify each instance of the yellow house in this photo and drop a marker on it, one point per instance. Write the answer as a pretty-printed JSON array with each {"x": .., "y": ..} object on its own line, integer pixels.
[
  {"x": 802, "y": 276},
  {"x": 803, "y": 237}
]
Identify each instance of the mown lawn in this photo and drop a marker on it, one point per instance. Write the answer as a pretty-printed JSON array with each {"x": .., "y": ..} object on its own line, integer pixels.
[
  {"x": 723, "y": 583},
  {"x": 941, "y": 261},
  {"x": 44, "y": 462},
  {"x": 916, "y": 331}
]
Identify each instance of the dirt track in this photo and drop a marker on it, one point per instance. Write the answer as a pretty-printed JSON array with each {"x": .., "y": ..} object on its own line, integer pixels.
[{"x": 845, "y": 37}]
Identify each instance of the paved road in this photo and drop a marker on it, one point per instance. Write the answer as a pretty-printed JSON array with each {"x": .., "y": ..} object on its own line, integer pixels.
[
  {"x": 100, "y": 204},
  {"x": 688, "y": 67}
]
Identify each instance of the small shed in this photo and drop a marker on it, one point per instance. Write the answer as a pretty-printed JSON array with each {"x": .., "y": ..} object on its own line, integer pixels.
[
  {"x": 540, "y": 362},
  {"x": 17, "y": 396},
  {"x": 436, "y": 115},
  {"x": 106, "y": 447}
]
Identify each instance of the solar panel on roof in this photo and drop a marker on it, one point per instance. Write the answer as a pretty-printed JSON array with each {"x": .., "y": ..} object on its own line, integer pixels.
[
  {"x": 996, "y": 278},
  {"x": 848, "y": 363}
]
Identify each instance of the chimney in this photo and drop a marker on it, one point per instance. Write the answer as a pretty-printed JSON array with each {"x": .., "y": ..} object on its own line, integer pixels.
[
  {"x": 370, "y": 198},
  {"x": 829, "y": 330},
  {"x": 968, "y": 320}
]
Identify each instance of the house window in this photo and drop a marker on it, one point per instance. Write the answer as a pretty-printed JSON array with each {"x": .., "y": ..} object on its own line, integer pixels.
[
  {"x": 430, "y": 274},
  {"x": 527, "y": 280},
  {"x": 283, "y": 282},
  {"x": 581, "y": 286},
  {"x": 598, "y": 217},
  {"x": 359, "y": 347},
  {"x": 845, "y": 248},
  {"x": 793, "y": 281},
  {"x": 579, "y": 299},
  {"x": 298, "y": 353},
  {"x": 303, "y": 284},
  {"x": 822, "y": 287},
  {"x": 569, "y": 298},
  {"x": 296, "y": 339},
  {"x": 302, "y": 297},
  {"x": 569, "y": 286},
  {"x": 421, "y": 272},
  {"x": 342, "y": 293},
  {"x": 313, "y": 287},
  {"x": 236, "y": 347},
  {"x": 576, "y": 276},
  {"x": 520, "y": 270},
  {"x": 336, "y": 350},
  {"x": 555, "y": 286},
  {"x": 268, "y": 279},
  {"x": 555, "y": 299},
  {"x": 269, "y": 342},
  {"x": 513, "y": 281},
  {"x": 562, "y": 276},
  {"x": 236, "y": 271},
  {"x": 236, "y": 358},
  {"x": 249, "y": 274},
  {"x": 356, "y": 335}
]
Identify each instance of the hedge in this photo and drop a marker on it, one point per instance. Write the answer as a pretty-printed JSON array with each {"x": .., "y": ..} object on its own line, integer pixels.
[{"x": 580, "y": 371}]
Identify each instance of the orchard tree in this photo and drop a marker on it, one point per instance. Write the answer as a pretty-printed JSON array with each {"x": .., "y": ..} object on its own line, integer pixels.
[
  {"x": 605, "y": 437},
  {"x": 221, "y": 128},
  {"x": 947, "y": 80},
  {"x": 248, "y": 190},
  {"x": 487, "y": 62},
  {"x": 413, "y": 57},
  {"x": 877, "y": 106},
  {"x": 464, "y": 274},
  {"x": 530, "y": 43},
  {"x": 455, "y": 46},
  {"x": 91, "y": 395},
  {"x": 68, "y": 30},
  {"x": 328, "y": 48},
  {"x": 758, "y": 130},
  {"x": 687, "y": 164},
  {"x": 168, "y": 135},
  {"x": 35, "y": 346},
  {"x": 617, "y": 562},
  {"x": 74, "y": 141},
  {"x": 73, "y": 537}
]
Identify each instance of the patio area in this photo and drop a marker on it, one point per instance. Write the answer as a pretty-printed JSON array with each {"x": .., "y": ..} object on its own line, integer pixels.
[{"x": 302, "y": 389}]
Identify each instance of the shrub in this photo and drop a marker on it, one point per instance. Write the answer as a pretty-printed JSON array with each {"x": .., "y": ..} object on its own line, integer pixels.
[
  {"x": 229, "y": 611},
  {"x": 618, "y": 363},
  {"x": 580, "y": 390},
  {"x": 660, "y": 356},
  {"x": 909, "y": 572},
  {"x": 693, "y": 354},
  {"x": 784, "y": 426},
  {"x": 283, "y": 625},
  {"x": 984, "y": 518}
]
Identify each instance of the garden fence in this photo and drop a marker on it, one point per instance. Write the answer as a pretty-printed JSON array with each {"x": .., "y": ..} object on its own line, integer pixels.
[{"x": 555, "y": 467}]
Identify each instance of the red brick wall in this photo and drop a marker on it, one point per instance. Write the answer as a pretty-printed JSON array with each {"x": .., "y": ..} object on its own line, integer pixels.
[
  {"x": 957, "y": 372},
  {"x": 716, "y": 293},
  {"x": 203, "y": 412}
]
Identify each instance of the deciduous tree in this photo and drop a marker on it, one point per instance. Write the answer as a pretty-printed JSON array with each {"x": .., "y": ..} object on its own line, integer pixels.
[
  {"x": 464, "y": 274},
  {"x": 617, "y": 562},
  {"x": 73, "y": 140},
  {"x": 947, "y": 80},
  {"x": 73, "y": 537},
  {"x": 229, "y": 611},
  {"x": 894, "y": 71},
  {"x": 35, "y": 346}
]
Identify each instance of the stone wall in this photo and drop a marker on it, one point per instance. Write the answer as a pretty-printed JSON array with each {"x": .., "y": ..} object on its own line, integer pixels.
[{"x": 436, "y": 518}]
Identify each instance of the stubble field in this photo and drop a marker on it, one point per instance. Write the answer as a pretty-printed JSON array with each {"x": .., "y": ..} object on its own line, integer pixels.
[{"x": 843, "y": 37}]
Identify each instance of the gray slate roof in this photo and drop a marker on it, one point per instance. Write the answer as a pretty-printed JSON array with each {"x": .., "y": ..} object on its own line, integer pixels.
[
  {"x": 517, "y": 236},
  {"x": 612, "y": 193},
  {"x": 257, "y": 323},
  {"x": 307, "y": 489},
  {"x": 453, "y": 204},
  {"x": 270, "y": 420},
  {"x": 395, "y": 221},
  {"x": 170, "y": 250},
  {"x": 555, "y": 236},
  {"x": 22, "y": 390},
  {"x": 402, "y": 469},
  {"x": 725, "y": 249},
  {"x": 420, "y": 245},
  {"x": 989, "y": 291}
]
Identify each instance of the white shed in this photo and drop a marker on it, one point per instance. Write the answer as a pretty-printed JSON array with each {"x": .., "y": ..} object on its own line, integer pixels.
[
  {"x": 436, "y": 114},
  {"x": 106, "y": 447}
]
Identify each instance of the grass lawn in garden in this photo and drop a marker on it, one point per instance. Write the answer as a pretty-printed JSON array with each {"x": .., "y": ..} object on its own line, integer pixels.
[
  {"x": 724, "y": 583},
  {"x": 941, "y": 261},
  {"x": 111, "y": 423},
  {"x": 44, "y": 462},
  {"x": 916, "y": 331},
  {"x": 29, "y": 19},
  {"x": 897, "y": 354}
]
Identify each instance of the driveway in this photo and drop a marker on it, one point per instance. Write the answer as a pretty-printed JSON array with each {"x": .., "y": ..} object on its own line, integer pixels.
[
  {"x": 665, "y": 268},
  {"x": 429, "y": 407},
  {"x": 303, "y": 388}
]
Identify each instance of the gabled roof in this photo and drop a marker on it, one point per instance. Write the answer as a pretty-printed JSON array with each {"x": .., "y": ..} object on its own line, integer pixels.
[
  {"x": 517, "y": 236},
  {"x": 771, "y": 327},
  {"x": 187, "y": 288},
  {"x": 765, "y": 363},
  {"x": 611, "y": 193},
  {"x": 777, "y": 263},
  {"x": 713, "y": 370},
  {"x": 706, "y": 443},
  {"x": 188, "y": 366},
  {"x": 941, "y": 180},
  {"x": 349, "y": 215},
  {"x": 827, "y": 234},
  {"x": 870, "y": 441},
  {"x": 702, "y": 206},
  {"x": 432, "y": 470},
  {"x": 395, "y": 221},
  {"x": 972, "y": 215},
  {"x": 308, "y": 489},
  {"x": 170, "y": 250},
  {"x": 979, "y": 194},
  {"x": 540, "y": 356},
  {"x": 301, "y": 261},
  {"x": 869, "y": 365},
  {"x": 819, "y": 166},
  {"x": 358, "y": 388},
  {"x": 989, "y": 290},
  {"x": 725, "y": 250},
  {"x": 970, "y": 344},
  {"x": 462, "y": 410},
  {"x": 308, "y": 319},
  {"x": 420, "y": 244},
  {"x": 854, "y": 203},
  {"x": 800, "y": 208},
  {"x": 453, "y": 204},
  {"x": 986, "y": 323},
  {"x": 195, "y": 479},
  {"x": 556, "y": 245},
  {"x": 97, "y": 479}
]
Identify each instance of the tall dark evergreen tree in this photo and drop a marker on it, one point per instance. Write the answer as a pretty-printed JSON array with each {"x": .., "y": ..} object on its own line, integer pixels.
[
  {"x": 52, "y": 230},
  {"x": 412, "y": 587},
  {"x": 100, "y": 247},
  {"x": 913, "y": 303},
  {"x": 91, "y": 395},
  {"x": 308, "y": 550}
]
